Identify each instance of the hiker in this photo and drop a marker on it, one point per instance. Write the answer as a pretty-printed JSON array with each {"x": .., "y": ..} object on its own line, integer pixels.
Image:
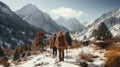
[
  {"x": 41, "y": 39},
  {"x": 53, "y": 46},
  {"x": 61, "y": 45}
]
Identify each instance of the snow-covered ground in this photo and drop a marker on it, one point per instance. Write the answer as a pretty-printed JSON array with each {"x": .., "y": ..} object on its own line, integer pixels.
[{"x": 45, "y": 59}]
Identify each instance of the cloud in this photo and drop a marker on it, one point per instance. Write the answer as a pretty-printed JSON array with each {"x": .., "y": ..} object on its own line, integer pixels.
[{"x": 67, "y": 12}]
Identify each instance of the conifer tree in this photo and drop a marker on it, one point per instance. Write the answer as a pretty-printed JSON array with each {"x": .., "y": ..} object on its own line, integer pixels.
[
  {"x": 103, "y": 32},
  {"x": 68, "y": 38}
]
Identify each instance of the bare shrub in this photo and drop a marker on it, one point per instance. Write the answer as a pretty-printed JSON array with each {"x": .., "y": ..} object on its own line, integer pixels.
[
  {"x": 97, "y": 47},
  {"x": 85, "y": 57},
  {"x": 75, "y": 46}
]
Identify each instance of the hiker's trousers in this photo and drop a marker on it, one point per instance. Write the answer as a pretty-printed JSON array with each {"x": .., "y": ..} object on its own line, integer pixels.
[{"x": 61, "y": 54}]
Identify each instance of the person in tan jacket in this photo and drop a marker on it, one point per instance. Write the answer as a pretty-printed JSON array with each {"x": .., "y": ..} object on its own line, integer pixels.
[{"x": 61, "y": 45}]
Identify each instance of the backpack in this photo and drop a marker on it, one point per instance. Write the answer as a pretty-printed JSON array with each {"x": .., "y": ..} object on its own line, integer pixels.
[
  {"x": 53, "y": 42},
  {"x": 61, "y": 41}
]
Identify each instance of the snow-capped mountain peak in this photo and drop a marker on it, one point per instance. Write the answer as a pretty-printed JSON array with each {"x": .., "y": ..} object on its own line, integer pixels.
[
  {"x": 36, "y": 17},
  {"x": 31, "y": 8},
  {"x": 72, "y": 24},
  {"x": 111, "y": 19},
  {"x": 111, "y": 16},
  {"x": 15, "y": 31}
]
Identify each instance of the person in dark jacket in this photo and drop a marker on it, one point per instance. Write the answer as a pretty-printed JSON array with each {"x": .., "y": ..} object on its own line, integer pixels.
[
  {"x": 53, "y": 45},
  {"x": 41, "y": 39},
  {"x": 69, "y": 39}
]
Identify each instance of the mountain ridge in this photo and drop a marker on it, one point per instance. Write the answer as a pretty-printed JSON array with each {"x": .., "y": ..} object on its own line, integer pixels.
[
  {"x": 72, "y": 24},
  {"x": 36, "y": 17},
  {"x": 15, "y": 31},
  {"x": 110, "y": 18}
]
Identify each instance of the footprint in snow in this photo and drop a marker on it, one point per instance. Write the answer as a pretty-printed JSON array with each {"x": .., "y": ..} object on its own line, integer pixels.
[
  {"x": 38, "y": 59},
  {"x": 58, "y": 65}
]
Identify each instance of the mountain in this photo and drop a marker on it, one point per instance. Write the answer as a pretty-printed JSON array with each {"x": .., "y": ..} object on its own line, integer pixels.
[
  {"x": 34, "y": 16},
  {"x": 14, "y": 30},
  {"x": 72, "y": 24},
  {"x": 64, "y": 28},
  {"x": 111, "y": 19}
]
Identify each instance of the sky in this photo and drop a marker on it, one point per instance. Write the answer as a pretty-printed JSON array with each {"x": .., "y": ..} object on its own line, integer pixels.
[{"x": 84, "y": 10}]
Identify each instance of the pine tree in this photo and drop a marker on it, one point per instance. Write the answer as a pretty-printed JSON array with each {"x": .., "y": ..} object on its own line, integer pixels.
[
  {"x": 68, "y": 38},
  {"x": 103, "y": 32},
  {"x": 16, "y": 55}
]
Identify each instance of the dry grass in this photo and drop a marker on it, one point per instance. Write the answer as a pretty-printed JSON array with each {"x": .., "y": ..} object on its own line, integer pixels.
[
  {"x": 114, "y": 47},
  {"x": 113, "y": 56},
  {"x": 85, "y": 56},
  {"x": 112, "y": 50},
  {"x": 113, "y": 59},
  {"x": 75, "y": 46},
  {"x": 4, "y": 62},
  {"x": 116, "y": 39},
  {"x": 97, "y": 47}
]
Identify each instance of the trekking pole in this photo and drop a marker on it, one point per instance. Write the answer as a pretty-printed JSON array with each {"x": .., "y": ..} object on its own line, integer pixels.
[{"x": 66, "y": 54}]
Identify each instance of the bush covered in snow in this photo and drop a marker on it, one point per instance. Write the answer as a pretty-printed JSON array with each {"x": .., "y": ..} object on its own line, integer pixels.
[{"x": 90, "y": 56}]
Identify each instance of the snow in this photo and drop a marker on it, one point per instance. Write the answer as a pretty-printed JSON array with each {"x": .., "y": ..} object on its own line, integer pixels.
[
  {"x": 64, "y": 64},
  {"x": 97, "y": 64},
  {"x": 1, "y": 66},
  {"x": 115, "y": 30},
  {"x": 87, "y": 32},
  {"x": 45, "y": 59},
  {"x": 71, "y": 24}
]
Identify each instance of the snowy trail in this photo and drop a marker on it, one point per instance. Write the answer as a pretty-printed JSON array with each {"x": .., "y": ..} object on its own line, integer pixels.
[{"x": 46, "y": 60}]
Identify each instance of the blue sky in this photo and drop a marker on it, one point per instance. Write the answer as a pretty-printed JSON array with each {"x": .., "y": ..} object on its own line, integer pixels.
[{"x": 84, "y": 10}]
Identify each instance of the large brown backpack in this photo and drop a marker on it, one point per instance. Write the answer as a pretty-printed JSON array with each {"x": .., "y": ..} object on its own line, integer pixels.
[{"x": 61, "y": 41}]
